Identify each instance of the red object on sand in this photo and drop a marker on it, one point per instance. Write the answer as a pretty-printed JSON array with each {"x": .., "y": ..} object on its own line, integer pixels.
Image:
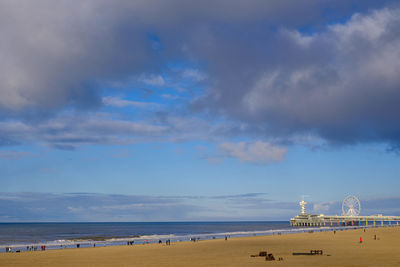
[{"x": 360, "y": 239}]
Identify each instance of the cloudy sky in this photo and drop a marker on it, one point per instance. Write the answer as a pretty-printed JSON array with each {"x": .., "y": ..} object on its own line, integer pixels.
[{"x": 176, "y": 110}]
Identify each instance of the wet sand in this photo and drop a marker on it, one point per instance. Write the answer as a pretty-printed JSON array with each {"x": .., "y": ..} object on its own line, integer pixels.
[{"x": 340, "y": 249}]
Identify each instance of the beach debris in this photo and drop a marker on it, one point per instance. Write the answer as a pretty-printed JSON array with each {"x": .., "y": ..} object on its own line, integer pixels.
[
  {"x": 260, "y": 254},
  {"x": 312, "y": 252},
  {"x": 270, "y": 257}
]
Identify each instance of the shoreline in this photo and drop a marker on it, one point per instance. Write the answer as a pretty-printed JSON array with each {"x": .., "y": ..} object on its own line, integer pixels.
[
  {"x": 90, "y": 241},
  {"x": 343, "y": 247}
]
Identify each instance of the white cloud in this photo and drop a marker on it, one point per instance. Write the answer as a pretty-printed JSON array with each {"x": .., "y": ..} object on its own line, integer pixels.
[
  {"x": 321, "y": 207},
  {"x": 257, "y": 152},
  {"x": 102, "y": 207},
  {"x": 69, "y": 131},
  {"x": 169, "y": 96},
  {"x": 152, "y": 79},
  {"x": 120, "y": 103},
  {"x": 14, "y": 155},
  {"x": 194, "y": 74}
]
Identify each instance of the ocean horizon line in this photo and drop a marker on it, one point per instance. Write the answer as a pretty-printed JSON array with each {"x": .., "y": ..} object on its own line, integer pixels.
[{"x": 200, "y": 221}]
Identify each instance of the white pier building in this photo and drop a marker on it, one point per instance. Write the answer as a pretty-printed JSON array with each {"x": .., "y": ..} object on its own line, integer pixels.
[{"x": 351, "y": 210}]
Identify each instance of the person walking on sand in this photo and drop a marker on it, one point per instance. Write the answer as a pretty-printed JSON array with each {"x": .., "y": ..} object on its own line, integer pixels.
[{"x": 360, "y": 239}]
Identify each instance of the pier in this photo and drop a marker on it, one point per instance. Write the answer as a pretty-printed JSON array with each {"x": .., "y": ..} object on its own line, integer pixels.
[{"x": 350, "y": 217}]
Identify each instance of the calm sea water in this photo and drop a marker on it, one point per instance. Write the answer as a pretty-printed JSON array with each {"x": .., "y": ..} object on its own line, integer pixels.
[{"x": 59, "y": 235}]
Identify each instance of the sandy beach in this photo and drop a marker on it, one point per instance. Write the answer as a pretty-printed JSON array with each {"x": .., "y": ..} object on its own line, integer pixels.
[{"x": 340, "y": 249}]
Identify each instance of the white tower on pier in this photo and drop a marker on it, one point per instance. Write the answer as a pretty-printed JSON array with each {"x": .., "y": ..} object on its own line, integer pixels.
[{"x": 303, "y": 206}]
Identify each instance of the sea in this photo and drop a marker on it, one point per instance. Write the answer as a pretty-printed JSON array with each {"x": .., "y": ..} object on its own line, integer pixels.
[{"x": 32, "y": 236}]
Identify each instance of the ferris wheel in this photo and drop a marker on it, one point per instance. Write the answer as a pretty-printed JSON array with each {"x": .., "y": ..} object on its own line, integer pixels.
[{"x": 351, "y": 206}]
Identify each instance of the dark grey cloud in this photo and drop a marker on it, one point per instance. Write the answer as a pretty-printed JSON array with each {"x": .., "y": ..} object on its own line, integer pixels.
[
  {"x": 55, "y": 54},
  {"x": 338, "y": 82}
]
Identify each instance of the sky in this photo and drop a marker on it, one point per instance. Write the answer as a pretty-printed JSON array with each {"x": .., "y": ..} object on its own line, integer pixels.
[{"x": 174, "y": 110}]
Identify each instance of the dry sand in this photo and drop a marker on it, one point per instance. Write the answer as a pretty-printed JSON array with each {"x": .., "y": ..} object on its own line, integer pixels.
[{"x": 340, "y": 249}]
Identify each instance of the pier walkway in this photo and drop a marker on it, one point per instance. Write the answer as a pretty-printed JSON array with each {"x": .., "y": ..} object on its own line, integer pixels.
[{"x": 343, "y": 220}]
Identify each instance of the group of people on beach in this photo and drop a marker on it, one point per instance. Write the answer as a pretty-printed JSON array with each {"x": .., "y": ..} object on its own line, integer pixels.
[
  {"x": 167, "y": 242},
  {"x": 28, "y": 248}
]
